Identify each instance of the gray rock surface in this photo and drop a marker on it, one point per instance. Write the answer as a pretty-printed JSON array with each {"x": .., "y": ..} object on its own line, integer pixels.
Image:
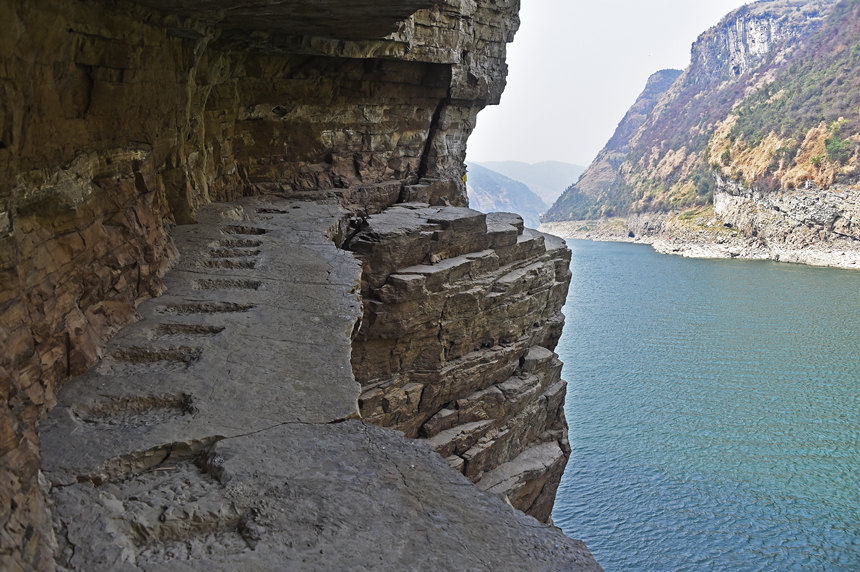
[
  {"x": 122, "y": 119},
  {"x": 261, "y": 297},
  {"x": 461, "y": 311},
  {"x": 345, "y": 496},
  {"x": 215, "y": 434}
]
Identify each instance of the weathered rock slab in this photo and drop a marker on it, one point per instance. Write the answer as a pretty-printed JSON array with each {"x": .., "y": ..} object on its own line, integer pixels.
[
  {"x": 461, "y": 312},
  {"x": 309, "y": 497},
  {"x": 215, "y": 432},
  {"x": 254, "y": 332}
]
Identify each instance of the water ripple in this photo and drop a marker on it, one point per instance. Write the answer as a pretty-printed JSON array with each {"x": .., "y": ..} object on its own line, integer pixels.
[{"x": 714, "y": 416}]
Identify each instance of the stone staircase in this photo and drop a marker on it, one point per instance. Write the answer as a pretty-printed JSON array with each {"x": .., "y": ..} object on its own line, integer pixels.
[{"x": 221, "y": 431}]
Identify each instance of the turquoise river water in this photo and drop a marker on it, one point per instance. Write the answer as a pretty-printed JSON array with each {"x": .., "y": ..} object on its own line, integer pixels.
[{"x": 714, "y": 410}]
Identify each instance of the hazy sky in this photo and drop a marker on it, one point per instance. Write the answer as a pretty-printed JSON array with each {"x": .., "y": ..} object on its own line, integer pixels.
[{"x": 575, "y": 68}]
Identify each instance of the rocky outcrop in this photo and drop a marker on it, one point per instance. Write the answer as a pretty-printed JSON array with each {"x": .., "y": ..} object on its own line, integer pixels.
[
  {"x": 809, "y": 225},
  {"x": 743, "y": 39},
  {"x": 833, "y": 212},
  {"x": 462, "y": 311},
  {"x": 119, "y": 121}
]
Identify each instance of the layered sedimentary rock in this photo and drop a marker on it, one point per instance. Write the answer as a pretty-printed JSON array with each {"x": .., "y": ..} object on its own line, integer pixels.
[
  {"x": 120, "y": 120},
  {"x": 461, "y": 313},
  {"x": 220, "y": 430},
  {"x": 809, "y": 225}
]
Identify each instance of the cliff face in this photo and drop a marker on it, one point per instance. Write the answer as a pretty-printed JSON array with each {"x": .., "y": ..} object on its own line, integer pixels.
[
  {"x": 769, "y": 104},
  {"x": 120, "y": 120},
  {"x": 747, "y": 36},
  {"x": 462, "y": 311}
]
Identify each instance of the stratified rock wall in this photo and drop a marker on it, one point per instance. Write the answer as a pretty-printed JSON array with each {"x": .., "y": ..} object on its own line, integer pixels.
[
  {"x": 808, "y": 225},
  {"x": 461, "y": 313},
  {"x": 834, "y": 212},
  {"x": 119, "y": 120},
  {"x": 95, "y": 108},
  {"x": 743, "y": 39}
]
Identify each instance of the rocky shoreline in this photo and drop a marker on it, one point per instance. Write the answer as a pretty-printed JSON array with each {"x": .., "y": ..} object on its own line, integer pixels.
[{"x": 702, "y": 234}]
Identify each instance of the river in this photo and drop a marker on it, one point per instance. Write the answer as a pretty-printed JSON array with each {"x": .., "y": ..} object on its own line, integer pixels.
[{"x": 714, "y": 410}]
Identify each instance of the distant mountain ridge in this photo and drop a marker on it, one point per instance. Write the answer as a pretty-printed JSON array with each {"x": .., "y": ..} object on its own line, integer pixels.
[
  {"x": 596, "y": 193},
  {"x": 490, "y": 191},
  {"x": 753, "y": 151},
  {"x": 547, "y": 179},
  {"x": 736, "y": 72}
]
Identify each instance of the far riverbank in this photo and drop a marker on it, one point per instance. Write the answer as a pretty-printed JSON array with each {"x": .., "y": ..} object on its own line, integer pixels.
[{"x": 699, "y": 234}]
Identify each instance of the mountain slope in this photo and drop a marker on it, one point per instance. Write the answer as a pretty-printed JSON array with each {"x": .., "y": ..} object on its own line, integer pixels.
[
  {"x": 805, "y": 125},
  {"x": 547, "y": 179},
  {"x": 739, "y": 64},
  {"x": 754, "y": 150},
  {"x": 596, "y": 194},
  {"x": 490, "y": 191}
]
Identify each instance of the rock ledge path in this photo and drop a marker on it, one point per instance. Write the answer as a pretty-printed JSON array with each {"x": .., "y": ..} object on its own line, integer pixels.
[{"x": 221, "y": 431}]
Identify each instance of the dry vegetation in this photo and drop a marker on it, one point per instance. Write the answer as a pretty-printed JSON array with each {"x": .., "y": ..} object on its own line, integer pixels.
[{"x": 793, "y": 118}]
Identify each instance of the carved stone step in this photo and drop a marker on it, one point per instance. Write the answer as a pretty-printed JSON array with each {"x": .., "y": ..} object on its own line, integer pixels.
[
  {"x": 227, "y": 284},
  {"x": 229, "y": 263},
  {"x": 233, "y": 252},
  {"x": 171, "y": 329},
  {"x": 242, "y": 229},
  {"x": 206, "y": 308}
]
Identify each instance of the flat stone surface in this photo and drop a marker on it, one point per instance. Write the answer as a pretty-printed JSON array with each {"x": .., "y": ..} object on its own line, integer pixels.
[
  {"x": 535, "y": 460},
  {"x": 215, "y": 434},
  {"x": 313, "y": 497},
  {"x": 247, "y": 344}
]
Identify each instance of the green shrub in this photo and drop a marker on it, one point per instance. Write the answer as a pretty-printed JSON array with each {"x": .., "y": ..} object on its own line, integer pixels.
[{"x": 839, "y": 150}]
